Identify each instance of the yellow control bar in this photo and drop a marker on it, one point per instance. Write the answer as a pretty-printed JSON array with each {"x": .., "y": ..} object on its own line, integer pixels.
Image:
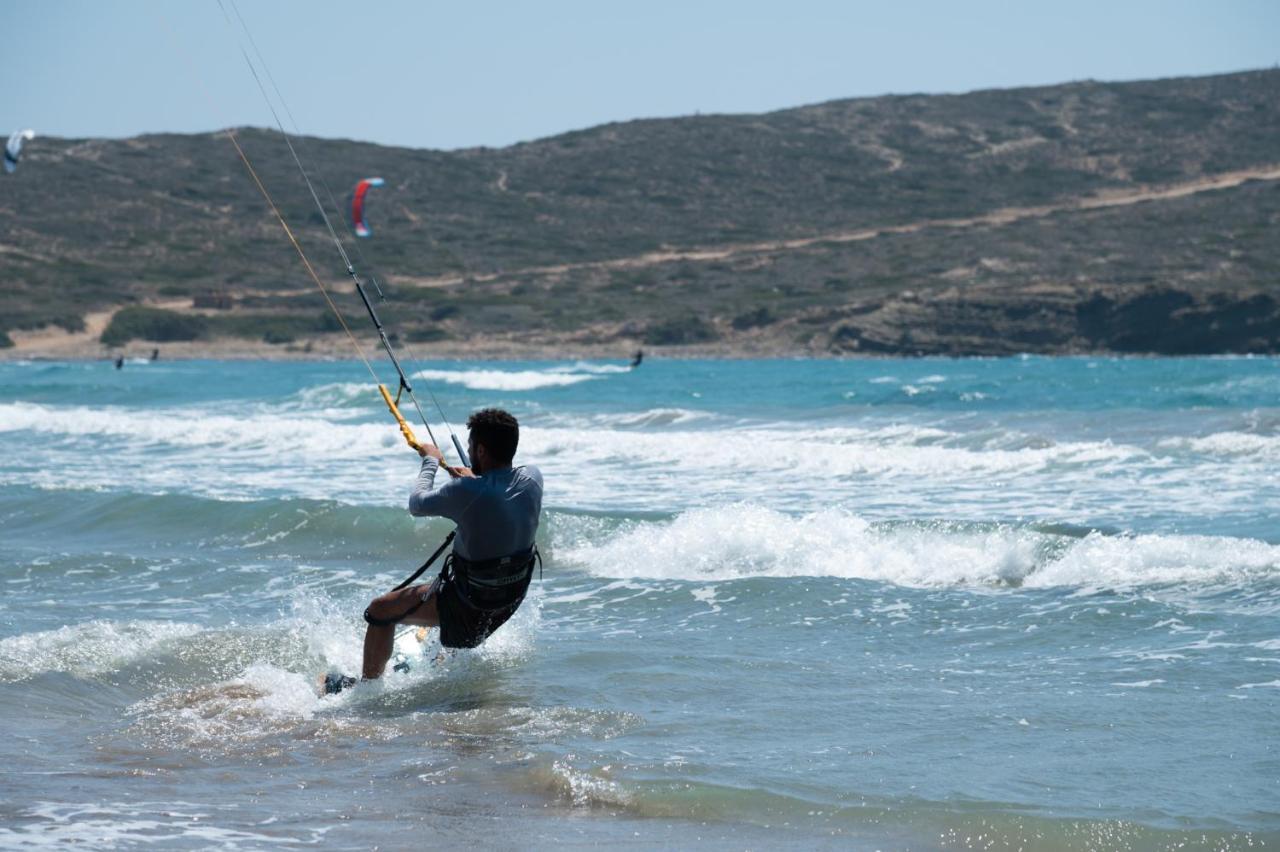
[{"x": 405, "y": 429}]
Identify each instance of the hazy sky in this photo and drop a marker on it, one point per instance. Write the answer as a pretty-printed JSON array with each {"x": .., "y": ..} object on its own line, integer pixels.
[{"x": 449, "y": 75}]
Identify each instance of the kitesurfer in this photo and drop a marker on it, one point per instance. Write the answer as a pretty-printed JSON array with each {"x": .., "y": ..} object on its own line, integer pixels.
[
  {"x": 637, "y": 358},
  {"x": 484, "y": 580}
]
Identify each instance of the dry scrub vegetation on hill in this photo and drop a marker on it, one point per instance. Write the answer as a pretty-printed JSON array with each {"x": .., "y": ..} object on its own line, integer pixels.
[{"x": 1132, "y": 217}]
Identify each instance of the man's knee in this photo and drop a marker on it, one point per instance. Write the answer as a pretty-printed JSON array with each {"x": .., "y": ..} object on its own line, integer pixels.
[
  {"x": 395, "y": 607},
  {"x": 384, "y": 607},
  {"x": 387, "y": 610}
]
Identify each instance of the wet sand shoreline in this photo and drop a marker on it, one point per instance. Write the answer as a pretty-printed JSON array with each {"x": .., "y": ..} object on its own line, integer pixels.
[{"x": 50, "y": 346}]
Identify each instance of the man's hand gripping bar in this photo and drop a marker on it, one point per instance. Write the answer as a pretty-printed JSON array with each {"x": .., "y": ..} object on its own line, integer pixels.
[{"x": 407, "y": 430}]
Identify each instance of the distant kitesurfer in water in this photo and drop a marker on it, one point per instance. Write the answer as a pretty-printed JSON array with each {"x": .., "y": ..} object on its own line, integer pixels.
[
  {"x": 484, "y": 579},
  {"x": 120, "y": 362},
  {"x": 637, "y": 358},
  {"x": 155, "y": 354}
]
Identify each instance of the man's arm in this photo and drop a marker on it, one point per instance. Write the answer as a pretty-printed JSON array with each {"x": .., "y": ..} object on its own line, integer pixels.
[{"x": 449, "y": 501}]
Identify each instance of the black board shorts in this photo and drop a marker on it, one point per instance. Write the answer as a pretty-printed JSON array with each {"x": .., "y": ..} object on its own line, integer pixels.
[{"x": 467, "y": 622}]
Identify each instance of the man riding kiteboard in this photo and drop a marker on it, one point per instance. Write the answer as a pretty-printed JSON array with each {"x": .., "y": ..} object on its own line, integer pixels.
[{"x": 484, "y": 580}]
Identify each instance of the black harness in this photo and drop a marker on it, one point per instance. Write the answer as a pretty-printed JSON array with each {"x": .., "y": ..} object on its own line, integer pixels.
[
  {"x": 488, "y": 578},
  {"x": 471, "y": 579}
]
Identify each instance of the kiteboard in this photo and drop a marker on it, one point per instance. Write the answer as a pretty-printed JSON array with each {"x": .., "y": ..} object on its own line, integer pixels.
[{"x": 411, "y": 651}]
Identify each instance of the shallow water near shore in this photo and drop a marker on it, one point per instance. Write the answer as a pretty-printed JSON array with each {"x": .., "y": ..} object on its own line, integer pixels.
[{"x": 908, "y": 604}]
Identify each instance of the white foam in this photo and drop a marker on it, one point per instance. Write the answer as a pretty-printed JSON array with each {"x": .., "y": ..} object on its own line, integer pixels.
[
  {"x": 663, "y": 459},
  {"x": 220, "y": 455},
  {"x": 257, "y": 453},
  {"x": 1265, "y": 447},
  {"x": 740, "y": 541},
  {"x": 829, "y": 452},
  {"x": 679, "y": 468},
  {"x": 1120, "y": 561},
  {"x": 110, "y": 825},
  {"x": 86, "y": 649},
  {"x": 653, "y": 417},
  {"x": 264, "y": 700},
  {"x": 588, "y": 367},
  {"x": 751, "y": 541},
  {"x": 283, "y": 693},
  {"x": 327, "y": 397},
  {"x": 186, "y": 428},
  {"x": 586, "y": 788},
  {"x": 506, "y": 380}
]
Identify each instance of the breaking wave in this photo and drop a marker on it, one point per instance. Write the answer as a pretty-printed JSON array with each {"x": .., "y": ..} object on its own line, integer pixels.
[
  {"x": 506, "y": 380},
  {"x": 746, "y": 541},
  {"x": 86, "y": 649}
]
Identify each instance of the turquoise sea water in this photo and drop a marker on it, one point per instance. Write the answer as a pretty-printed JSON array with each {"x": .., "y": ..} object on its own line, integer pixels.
[{"x": 977, "y": 604}]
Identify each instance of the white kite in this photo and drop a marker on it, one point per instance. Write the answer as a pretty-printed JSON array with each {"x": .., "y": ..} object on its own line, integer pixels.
[{"x": 13, "y": 150}]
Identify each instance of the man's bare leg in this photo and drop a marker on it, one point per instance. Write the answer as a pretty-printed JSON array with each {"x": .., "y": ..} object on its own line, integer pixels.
[{"x": 379, "y": 639}]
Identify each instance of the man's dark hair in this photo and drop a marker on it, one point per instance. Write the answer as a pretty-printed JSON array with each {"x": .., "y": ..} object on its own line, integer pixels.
[{"x": 498, "y": 431}]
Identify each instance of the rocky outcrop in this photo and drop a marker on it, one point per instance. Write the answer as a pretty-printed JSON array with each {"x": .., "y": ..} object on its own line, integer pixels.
[{"x": 1046, "y": 319}]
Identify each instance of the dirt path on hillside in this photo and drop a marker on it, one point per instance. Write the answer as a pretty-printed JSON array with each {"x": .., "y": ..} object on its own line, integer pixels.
[{"x": 1003, "y": 216}]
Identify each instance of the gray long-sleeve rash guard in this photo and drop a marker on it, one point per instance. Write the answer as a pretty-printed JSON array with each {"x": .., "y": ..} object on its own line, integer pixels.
[{"x": 497, "y": 513}]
